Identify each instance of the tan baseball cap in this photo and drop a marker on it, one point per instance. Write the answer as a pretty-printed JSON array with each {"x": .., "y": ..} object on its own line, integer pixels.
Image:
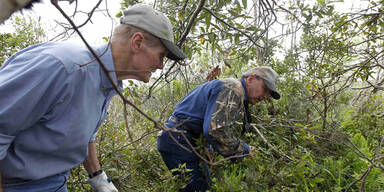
[
  {"x": 156, "y": 23},
  {"x": 270, "y": 78}
]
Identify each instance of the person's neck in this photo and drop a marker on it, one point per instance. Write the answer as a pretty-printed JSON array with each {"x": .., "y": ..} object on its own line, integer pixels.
[{"x": 122, "y": 62}]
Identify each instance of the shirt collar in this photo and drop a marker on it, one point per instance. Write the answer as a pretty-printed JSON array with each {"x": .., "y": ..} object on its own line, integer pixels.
[
  {"x": 245, "y": 89},
  {"x": 106, "y": 57}
]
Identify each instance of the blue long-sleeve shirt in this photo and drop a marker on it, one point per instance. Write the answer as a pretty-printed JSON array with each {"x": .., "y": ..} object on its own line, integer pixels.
[
  {"x": 211, "y": 109},
  {"x": 53, "y": 98}
]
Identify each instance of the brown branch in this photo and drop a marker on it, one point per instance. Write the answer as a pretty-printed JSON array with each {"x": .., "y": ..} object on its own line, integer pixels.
[
  {"x": 228, "y": 158},
  {"x": 194, "y": 150},
  {"x": 270, "y": 145},
  {"x": 366, "y": 173},
  {"x": 75, "y": 11},
  {"x": 364, "y": 177},
  {"x": 156, "y": 123},
  {"x": 377, "y": 153},
  {"x": 158, "y": 79},
  {"x": 90, "y": 14},
  {"x": 191, "y": 22},
  {"x": 139, "y": 139},
  {"x": 269, "y": 6},
  {"x": 68, "y": 28},
  {"x": 180, "y": 43},
  {"x": 365, "y": 41},
  {"x": 205, "y": 160},
  {"x": 235, "y": 28},
  {"x": 128, "y": 130},
  {"x": 289, "y": 12}
]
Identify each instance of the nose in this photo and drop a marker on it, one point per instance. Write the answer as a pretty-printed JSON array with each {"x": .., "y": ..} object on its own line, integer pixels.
[
  {"x": 266, "y": 96},
  {"x": 160, "y": 65}
]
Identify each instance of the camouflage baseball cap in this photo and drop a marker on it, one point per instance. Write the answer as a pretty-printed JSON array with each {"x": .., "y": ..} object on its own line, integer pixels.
[
  {"x": 156, "y": 23},
  {"x": 270, "y": 78}
]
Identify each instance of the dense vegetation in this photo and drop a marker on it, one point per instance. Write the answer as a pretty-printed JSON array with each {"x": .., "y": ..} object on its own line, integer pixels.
[
  {"x": 26, "y": 32},
  {"x": 325, "y": 134}
]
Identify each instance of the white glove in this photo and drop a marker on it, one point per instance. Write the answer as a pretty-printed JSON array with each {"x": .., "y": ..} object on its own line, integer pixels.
[{"x": 101, "y": 183}]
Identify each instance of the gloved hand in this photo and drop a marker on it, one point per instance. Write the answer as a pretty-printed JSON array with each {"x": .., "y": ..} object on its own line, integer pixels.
[
  {"x": 101, "y": 183},
  {"x": 252, "y": 150}
]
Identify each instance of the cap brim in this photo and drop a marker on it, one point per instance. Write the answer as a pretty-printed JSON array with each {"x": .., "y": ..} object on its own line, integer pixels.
[
  {"x": 275, "y": 95},
  {"x": 272, "y": 89},
  {"x": 174, "y": 52}
]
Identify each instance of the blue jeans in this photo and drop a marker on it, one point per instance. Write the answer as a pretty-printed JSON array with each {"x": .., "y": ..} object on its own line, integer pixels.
[
  {"x": 199, "y": 181},
  {"x": 173, "y": 156},
  {"x": 55, "y": 183}
]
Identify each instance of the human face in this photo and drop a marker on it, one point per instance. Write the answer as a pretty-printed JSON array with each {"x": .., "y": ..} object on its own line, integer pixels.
[
  {"x": 149, "y": 60},
  {"x": 256, "y": 89},
  {"x": 137, "y": 58}
]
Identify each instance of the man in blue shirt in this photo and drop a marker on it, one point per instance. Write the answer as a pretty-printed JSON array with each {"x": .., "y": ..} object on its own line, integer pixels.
[
  {"x": 54, "y": 97},
  {"x": 210, "y": 110}
]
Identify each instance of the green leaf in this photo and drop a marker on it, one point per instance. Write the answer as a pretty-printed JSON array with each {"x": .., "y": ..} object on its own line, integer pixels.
[
  {"x": 202, "y": 40},
  {"x": 239, "y": 26},
  {"x": 219, "y": 48},
  {"x": 245, "y": 3},
  {"x": 318, "y": 180},
  {"x": 237, "y": 38},
  {"x": 119, "y": 14},
  {"x": 208, "y": 22},
  {"x": 202, "y": 29},
  {"x": 330, "y": 10},
  {"x": 321, "y": 2},
  {"x": 253, "y": 28},
  {"x": 233, "y": 13},
  {"x": 179, "y": 15}
]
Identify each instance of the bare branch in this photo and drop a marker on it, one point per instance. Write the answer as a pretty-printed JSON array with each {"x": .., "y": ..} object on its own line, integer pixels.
[
  {"x": 191, "y": 22},
  {"x": 156, "y": 123},
  {"x": 90, "y": 14},
  {"x": 235, "y": 28},
  {"x": 266, "y": 141}
]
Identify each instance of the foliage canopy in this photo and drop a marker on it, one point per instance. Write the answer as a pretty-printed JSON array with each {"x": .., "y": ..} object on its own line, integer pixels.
[{"x": 325, "y": 134}]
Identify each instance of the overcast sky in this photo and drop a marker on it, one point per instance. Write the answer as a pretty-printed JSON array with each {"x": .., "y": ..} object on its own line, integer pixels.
[
  {"x": 100, "y": 27},
  {"x": 102, "y": 24}
]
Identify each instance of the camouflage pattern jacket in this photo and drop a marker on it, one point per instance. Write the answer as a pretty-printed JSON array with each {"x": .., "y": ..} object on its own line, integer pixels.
[{"x": 211, "y": 110}]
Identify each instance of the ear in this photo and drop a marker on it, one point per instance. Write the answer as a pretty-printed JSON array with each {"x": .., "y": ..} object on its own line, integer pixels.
[
  {"x": 249, "y": 79},
  {"x": 137, "y": 42}
]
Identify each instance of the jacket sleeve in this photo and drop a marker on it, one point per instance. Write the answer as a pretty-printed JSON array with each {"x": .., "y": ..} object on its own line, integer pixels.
[
  {"x": 28, "y": 86},
  {"x": 222, "y": 115}
]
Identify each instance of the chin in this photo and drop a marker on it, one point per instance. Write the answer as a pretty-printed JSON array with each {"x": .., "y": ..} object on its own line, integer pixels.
[{"x": 146, "y": 79}]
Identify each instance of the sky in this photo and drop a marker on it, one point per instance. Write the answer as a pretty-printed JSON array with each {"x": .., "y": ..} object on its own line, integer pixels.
[
  {"x": 94, "y": 32},
  {"x": 102, "y": 24}
]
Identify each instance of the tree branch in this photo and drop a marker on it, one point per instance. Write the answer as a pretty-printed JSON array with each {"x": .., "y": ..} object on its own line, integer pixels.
[
  {"x": 191, "y": 22},
  {"x": 266, "y": 141},
  {"x": 156, "y": 123},
  {"x": 235, "y": 28}
]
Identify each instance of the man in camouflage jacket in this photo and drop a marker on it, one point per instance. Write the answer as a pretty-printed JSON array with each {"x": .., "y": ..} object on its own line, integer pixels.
[{"x": 211, "y": 110}]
